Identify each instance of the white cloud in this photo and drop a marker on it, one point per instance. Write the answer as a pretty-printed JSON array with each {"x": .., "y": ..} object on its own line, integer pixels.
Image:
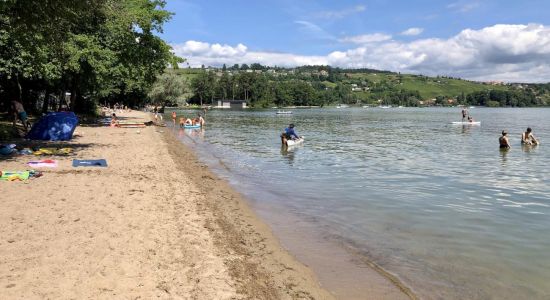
[
  {"x": 201, "y": 49},
  {"x": 338, "y": 14},
  {"x": 366, "y": 38},
  {"x": 413, "y": 31},
  {"x": 314, "y": 30},
  {"x": 518, "y": 53},
  {"x": 463, "y": 7}
]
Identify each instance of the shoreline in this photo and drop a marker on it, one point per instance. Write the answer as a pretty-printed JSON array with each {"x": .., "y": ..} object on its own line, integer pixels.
[
  {"x": 149, "y": 225},
  {"x": 345, "y": 272},
  {"x": 238, "y": 231}
]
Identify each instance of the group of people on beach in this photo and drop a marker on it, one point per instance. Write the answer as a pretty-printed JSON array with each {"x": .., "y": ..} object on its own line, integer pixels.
[
  {"x": 199, "y": 120},
  {"x": 527, "y": 138}
]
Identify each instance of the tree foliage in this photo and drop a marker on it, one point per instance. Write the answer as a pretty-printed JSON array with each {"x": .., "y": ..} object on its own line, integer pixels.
[
  {"x": 98, "y": 50},
  {"x": 168, "y": 88}
]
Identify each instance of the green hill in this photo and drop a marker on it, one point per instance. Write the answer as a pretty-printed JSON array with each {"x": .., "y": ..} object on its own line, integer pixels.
[
  {"x": 323, "y": 85},
  {"x": 428, "y": 87}
]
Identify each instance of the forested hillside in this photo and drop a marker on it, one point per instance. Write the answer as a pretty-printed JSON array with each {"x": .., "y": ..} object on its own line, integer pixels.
[{"x": 264, "y": 86}]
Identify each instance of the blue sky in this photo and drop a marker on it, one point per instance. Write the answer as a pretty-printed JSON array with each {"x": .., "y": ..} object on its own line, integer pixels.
[{"x": 392, "y": 35}]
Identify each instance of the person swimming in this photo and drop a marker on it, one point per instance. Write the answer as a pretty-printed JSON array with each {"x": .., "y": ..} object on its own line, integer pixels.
[
  {"x": 503, "y": 140},
  {"x": 527, "y": 138}
]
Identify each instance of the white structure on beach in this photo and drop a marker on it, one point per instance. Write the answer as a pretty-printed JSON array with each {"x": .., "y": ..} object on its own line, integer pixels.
[{"x": 231, "y": 104}]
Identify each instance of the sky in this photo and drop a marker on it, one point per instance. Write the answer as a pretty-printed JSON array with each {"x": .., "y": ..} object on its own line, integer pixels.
[{"x": 486, "y": 40}]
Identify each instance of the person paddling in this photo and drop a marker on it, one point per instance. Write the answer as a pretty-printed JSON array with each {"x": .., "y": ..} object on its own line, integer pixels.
[{"x": 289, "y": 134}]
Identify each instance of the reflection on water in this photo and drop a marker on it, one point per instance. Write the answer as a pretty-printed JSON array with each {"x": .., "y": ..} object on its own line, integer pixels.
[
  {"x": 288, "y": 154},
  {"x": 431, "y": 202}
]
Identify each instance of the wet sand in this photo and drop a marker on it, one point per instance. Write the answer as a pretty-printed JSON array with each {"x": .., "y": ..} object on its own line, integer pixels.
[{"x": 156, "y": 223}]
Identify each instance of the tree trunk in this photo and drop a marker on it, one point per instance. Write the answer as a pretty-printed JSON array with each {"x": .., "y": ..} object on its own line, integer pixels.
[
  {"x": 46, "y": 103},
  {"x": 19, "y": 89},
  {"x": 74, "y": 91},
  {"x": 73, "y": 98}
]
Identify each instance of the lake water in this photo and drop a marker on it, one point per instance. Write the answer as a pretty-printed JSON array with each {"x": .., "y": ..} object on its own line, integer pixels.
[{"x": 437, "y": 205}]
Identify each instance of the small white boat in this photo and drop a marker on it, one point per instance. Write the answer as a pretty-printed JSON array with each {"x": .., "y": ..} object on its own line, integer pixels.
[
  {"x": 366, "y": 106},
  {"x": 342, "y": 106},
  {"x": 466, "y": 123},
  {"x": 283, "y": 112},
  {"x": 385, "y": 106}
]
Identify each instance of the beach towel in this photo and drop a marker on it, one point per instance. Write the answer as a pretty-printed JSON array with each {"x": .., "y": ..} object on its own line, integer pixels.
[
  {"x": 14, "y": 175},
  {"x": 48, "y": 163},
  {"x": 89, "y": 163},
  {"x": 53, "y": 151},
  {"x": 19, "y": 175}
]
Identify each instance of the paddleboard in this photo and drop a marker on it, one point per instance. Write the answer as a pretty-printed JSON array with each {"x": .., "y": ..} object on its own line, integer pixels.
[
  {"x": 466, "y": 123},
  {"x": 295, "y": 142}
]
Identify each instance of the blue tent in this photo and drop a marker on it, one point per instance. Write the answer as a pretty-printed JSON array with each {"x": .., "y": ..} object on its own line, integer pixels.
[{"x": 56, "y": 126}]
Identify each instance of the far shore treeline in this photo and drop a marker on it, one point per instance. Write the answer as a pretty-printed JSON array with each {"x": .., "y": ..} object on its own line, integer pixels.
[
  {"x": 76, "y": 55},
  {"x": 263, "y": 86},
  {"x": 54, "y": 52}
]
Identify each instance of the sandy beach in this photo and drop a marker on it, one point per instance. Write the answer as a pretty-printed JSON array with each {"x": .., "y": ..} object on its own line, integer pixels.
[
  {"x": 140, "y": 228},
  {"x": 155, "y": 223}
]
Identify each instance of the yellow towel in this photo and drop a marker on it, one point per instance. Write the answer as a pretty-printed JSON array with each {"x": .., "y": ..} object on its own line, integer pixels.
[{"x": 53, "y": 151}]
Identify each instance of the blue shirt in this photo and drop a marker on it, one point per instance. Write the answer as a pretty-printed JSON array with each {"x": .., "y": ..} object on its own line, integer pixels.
[{"x": 291, "y": 133}]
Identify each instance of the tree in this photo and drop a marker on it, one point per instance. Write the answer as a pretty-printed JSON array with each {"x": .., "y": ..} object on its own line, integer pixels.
[
  {"x": 204, "y": 86},
  {"x": 96, "y": 49},
  {"x": 168, "y": 87}
]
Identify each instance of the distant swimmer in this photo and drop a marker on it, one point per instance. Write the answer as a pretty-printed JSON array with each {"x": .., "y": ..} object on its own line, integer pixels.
[
  {"x": 470, "y": 119},
  {"x": 527, "y": 138},
  {"x": 503, "y": 140}
]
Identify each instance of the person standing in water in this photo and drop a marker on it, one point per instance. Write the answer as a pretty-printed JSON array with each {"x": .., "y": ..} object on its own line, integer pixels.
[
  {"x": 464, "y": 114},
  {"x": 527, "y": 138},
  {"x": 200, "y": 120},
  {"x": 503, "y": 140},
  {"x": 174, "y": 117}
]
